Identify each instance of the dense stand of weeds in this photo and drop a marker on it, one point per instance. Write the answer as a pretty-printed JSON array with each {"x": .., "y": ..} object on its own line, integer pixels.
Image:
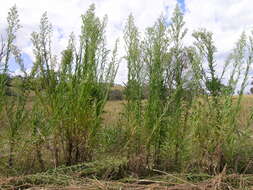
[
  {"x": 52, "y": 115},
  {"x": 133, "y": 117}
]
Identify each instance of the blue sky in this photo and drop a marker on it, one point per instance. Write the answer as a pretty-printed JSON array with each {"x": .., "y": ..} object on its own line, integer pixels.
[
  {"x": 13, "y": 66},
  {"x": 182, "y": 4},
  {"x": 226, "y": 19},
  {"x": 28, "y": 60}
]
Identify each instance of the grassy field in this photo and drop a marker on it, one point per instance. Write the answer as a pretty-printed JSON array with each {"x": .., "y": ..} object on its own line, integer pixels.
[
  {"x": 113, "y": 109},
  {"x": 176, "y": 124},
  {"x": 112, "y": 112},
  {"x": 85, "y": 176}
]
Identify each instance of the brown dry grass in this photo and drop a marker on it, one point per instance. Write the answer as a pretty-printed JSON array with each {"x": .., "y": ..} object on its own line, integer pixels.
[
  {"x": 110, "y": 118},
  {"x": 112, "y": 112},
  {"x": 113, "y": 109},
  {"x": 219, "y": 182}
]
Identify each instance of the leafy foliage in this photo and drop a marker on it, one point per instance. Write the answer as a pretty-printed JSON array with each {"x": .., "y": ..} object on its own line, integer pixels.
[{"x": 180, "y": 111}]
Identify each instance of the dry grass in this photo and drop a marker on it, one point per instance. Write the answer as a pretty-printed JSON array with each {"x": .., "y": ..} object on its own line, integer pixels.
[
  {"x": 246, "y": 109},
  {"x": 165, "y": 182},
  {"x": 113, "y": 109},
  {"x": 112, "y": 112}
]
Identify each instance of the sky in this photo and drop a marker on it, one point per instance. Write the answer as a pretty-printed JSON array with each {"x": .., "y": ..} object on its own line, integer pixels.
[{"x": 225, "y": 18}]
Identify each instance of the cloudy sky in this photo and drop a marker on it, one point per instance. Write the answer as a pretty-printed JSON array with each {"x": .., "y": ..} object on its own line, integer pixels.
[{"x": 225, "y": 18}]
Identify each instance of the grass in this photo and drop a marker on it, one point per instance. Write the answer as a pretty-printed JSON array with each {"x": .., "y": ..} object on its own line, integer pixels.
[
  {"x": 190, "y": 132},
  {"x": 113, "y": 110},
  {"x": 77, "y": 177},
  {"x": 97, "y": 174}
]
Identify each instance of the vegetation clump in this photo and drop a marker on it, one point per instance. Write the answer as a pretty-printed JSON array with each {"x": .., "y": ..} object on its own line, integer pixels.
[{"x": 180, "y": 111}]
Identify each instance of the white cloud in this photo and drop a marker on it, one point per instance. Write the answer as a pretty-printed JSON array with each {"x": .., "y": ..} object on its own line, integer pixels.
[
  {"x": 65, "y": 15},
  {"x": 226, "y": 19}
]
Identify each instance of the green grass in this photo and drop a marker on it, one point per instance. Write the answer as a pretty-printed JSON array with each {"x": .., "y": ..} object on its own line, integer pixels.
[{"x": 176, "y": 118}]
